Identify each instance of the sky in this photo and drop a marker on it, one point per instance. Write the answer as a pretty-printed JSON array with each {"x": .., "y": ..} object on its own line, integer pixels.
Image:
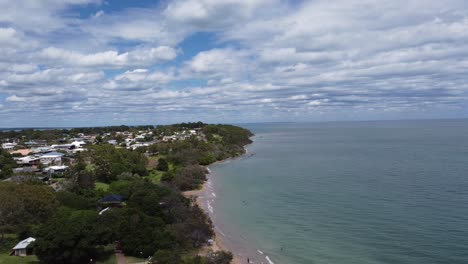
[{"x": 95, "y": 62}]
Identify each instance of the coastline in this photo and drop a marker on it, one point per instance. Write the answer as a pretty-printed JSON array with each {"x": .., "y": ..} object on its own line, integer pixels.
[
  {"x": 204, "y": 198},
  {"x": 199, "y": 197}
]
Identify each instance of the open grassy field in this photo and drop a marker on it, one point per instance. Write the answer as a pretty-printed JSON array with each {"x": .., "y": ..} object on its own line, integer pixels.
[{"x": 6, "y": 259}]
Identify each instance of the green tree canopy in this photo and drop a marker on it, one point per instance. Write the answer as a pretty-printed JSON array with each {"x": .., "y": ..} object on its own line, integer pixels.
[
  {"x": 6, "y": 164},
  {"x": 24, "y": 204},
  {"x": 69, "y": 237}
]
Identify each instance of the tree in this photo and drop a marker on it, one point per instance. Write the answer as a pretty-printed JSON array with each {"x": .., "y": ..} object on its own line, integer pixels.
[
  {"x": 7, "y": 163},
  {"x": 110, "y": 162},
  {"x": 83, "y": 178},
  {"x": 166, "y": 257},
  {"x": 162, "y": 165},
  {"x": 23, "y": 205},
  {"x": 68, "y": 237}
]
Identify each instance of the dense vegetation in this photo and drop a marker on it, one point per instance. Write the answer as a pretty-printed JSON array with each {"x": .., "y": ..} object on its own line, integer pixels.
[
  {"x": 6, "y": 164},
  {"x": 155, "y": 219},
  {"x": 110, "y": 162},
  {"x": 188, "y": 156}
]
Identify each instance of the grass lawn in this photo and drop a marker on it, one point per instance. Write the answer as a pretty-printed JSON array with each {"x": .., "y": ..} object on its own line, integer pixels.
[
  {"x": 101, "y": 185},
  {"x": 131, "y": 260},
  {"x": 6, "y": 259},
  {"x": 110, "y": 260},
  {"x": 155, "y": 176}
]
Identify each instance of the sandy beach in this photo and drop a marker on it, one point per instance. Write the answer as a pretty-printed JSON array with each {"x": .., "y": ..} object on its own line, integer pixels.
[
  {"x": 218, "y": 244},
  {"x": 223, "y": 240},
  {"x": 205, "y": 198}
]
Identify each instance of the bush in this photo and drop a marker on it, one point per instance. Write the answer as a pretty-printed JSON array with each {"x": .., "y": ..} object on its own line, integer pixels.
[{"x": 162, "y": 165}]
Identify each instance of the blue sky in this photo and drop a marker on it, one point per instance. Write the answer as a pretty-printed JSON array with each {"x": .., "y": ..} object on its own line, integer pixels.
[{"x": 95, "y": 62}]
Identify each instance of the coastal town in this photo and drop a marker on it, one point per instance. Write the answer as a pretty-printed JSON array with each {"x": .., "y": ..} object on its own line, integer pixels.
[
  {"x": 104, "y": 173},
  {"x": 54, "y": 157}
]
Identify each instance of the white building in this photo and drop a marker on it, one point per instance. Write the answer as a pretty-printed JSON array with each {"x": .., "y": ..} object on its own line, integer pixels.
[
  {"x": 21, "y": 249},
  {"x": 78, "y": 144},
  {"x": 28, "y": 160},
  {"x": 56, "y": 169},
  {"x": 62, "y": 147},
  {"x": 8, "y": 146},
  {"x": 50, "y": 157}
]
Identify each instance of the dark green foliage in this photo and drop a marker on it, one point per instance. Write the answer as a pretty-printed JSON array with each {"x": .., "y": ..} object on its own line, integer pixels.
[
  {"x": 231, "y": 135},
  {"x": 74, "y": 201},
  {"x": 110, "y": 162},
  {"x": 82, "y": 178},
  {"x": 207, "y": 159},
  {"x": 6, "y": 164},
  {"x": 223, "y": 141},
  {"x": 155, "y": 218},
  {"x": 68, "y": 237},
  {"x": 25, "y": 205},
  {"x": 162, "y": 165},
  {"x": 139, "y": 234},
  {"x": 190, "y": 177},
  {"x": 166, "y": 257}
]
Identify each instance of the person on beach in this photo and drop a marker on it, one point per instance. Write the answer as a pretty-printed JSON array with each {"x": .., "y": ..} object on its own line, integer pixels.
[{"x": 248, "y": 260}]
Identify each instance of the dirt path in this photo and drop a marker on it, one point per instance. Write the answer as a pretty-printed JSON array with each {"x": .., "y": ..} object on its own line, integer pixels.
[{"x": 120, "y": 258}]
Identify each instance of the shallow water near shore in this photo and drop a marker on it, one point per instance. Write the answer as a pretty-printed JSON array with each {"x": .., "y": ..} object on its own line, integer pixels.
[{"x": 351, "y": 192}]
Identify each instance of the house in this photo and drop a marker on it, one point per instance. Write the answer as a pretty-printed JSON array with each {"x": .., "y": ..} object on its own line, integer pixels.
[
  {"x": 8, "y": 146},
  {"x": 28, "y": 160},
  {"x": 23, "y": 248},
  {"x": 41, "y": 150},
  {"x": 62, "y": 147},
  {"x": 78, "y": 144},
  {"x": 137, "y": 145},
  {"x": 50, "y": 157},
  {"x": 55, "y": 169},
  {"x": 36, "y": 143},
  {"x": 112, "y": 200}
]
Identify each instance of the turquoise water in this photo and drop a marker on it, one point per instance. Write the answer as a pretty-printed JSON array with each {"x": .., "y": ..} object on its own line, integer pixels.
[{"x": 363, "y": 192}]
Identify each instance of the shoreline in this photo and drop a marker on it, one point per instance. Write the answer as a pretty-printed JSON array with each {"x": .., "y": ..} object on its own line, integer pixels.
[
  {"x": 200, "y": 197},
  {"x": 204, "y": 197},
  {"x": 217, "y": 245}
]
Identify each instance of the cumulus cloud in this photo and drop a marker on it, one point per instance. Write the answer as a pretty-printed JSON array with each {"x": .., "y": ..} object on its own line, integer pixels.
[
  {"x": 274, "y": 60},
  {"x": 137, "y": 57}
]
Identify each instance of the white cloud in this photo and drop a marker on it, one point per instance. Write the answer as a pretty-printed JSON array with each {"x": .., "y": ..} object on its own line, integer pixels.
[
  {"x": 275, "y": 59},
  {"x": 15, "y": 98},
  {"x": 142, "y": 56}
]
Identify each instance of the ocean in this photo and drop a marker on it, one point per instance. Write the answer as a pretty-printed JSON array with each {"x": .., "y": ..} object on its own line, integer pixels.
[{"x": 393, "y": 192}]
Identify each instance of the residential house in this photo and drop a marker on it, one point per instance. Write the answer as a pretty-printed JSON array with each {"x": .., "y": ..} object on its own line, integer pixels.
[
  {"x": 51, "y": 157},
  {"x": 9, "y": 146},
  {"x": 28, "y": 160},
  {"x": 112, "y": 200},
  {"x": 23, "y": 248},
  {"x": 55, "y": 169}
]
